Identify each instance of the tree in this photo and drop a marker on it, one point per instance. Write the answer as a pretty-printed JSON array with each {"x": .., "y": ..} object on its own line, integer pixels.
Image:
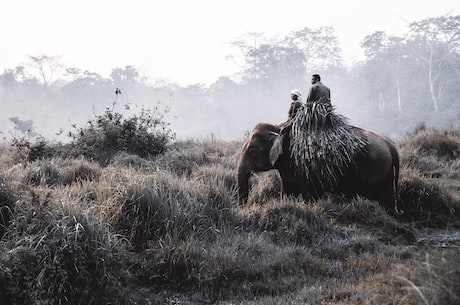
[
  {"x": 46, "y": 66},
  {"x": 8, "y": 79},
  {"x": 292, "y": 55},
  {"x": 320, "y": 47},
  {"x": 415, "y": 74},
  {"x": 275, "y": 62},
  {"x": 85, "y": 87},
  {"x": 436, "y": 43},
  {"x": 265, "y": 59},
  {"x": 387, "y": 62},
  {"x": 129, "y": 74}
]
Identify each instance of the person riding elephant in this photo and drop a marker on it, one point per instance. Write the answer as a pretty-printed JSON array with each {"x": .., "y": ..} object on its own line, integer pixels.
[
  {"x": 318, "y": 92},
  {"x": 296, "y": 97},
  {"x": 296, "y": 104}
]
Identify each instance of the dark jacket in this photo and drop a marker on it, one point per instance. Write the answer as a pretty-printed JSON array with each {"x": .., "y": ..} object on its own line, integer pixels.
[
  {"x": 319, "y": 93},
  {"x": 293, "y": 109}
]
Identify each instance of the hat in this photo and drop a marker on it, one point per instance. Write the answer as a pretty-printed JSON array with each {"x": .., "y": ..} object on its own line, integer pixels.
[{"x": 296, "y": 92}]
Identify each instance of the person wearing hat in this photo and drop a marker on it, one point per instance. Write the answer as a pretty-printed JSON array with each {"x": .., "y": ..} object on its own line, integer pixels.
[{"x": 295, "y": 104}]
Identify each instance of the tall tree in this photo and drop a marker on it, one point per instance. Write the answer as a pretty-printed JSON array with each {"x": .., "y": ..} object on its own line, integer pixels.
[
  {"x": 320, "y": 47},
  {"x": 86, "y": 88},
  {"x": 436, "y": 42},
  {"x": 46, "y": 66},
  {"x": 385, "y": 68},
  {"x": 128, "y": 74},
  {"x": 267, "y": 59}
]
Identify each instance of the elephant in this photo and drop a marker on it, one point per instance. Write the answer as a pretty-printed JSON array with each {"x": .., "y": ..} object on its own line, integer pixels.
[{"x": 372, "y": 173}]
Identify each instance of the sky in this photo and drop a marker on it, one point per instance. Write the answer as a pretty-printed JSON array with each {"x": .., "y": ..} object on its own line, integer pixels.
[{"x": 187, "y": 41}]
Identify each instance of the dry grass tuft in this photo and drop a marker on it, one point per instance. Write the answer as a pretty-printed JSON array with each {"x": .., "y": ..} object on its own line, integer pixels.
[
  {"x": 436, "y": 144},
  {"x": 433, "y": 152},
  {"x": 368, "y": 214},
  {"x": 426, "y": 203},
  {"x": 81, "y": 171},
  {"x": 428, "y": 188},
  {"x": 59, "y": 252},
  {"x": 264, "y": 187}
]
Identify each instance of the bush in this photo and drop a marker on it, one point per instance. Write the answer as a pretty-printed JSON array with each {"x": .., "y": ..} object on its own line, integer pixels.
[
  {"x": 435, "y": 144},
  {"x": 426, "y": 204},
  {"x": 31, "y": 150},
  {"x": 68, "y": 261},
  {"x": 145, "y": 134}
]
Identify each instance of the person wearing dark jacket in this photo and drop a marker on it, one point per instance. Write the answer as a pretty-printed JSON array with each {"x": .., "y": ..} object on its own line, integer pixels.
[
  {"x": 295, "y": 104},
  {"x": 318, "y": 91}
]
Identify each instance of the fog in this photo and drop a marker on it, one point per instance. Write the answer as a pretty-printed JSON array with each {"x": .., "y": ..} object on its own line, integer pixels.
[{"x": 403, "y": 82}]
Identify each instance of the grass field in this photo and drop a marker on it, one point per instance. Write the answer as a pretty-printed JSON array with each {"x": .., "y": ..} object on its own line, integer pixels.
[{"x": 168, "y": 230}]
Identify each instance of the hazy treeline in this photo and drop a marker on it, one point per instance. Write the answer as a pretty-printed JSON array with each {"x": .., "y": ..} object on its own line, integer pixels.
[{"x": 403, "y": 82}]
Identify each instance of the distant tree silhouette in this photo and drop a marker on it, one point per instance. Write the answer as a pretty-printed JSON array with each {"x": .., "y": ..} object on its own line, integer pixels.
[{"x": 46, "y": 66}]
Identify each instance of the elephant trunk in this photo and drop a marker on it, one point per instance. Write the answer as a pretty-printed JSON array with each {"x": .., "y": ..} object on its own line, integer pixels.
[{"x": 244, "y": 171}]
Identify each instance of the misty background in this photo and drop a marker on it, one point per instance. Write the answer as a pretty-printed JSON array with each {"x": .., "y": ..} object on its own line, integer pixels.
[{"x": 403, "y": 82}]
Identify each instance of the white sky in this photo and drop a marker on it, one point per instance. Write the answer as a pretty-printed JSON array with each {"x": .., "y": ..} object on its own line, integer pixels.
[{"x": 186, "y": 41}]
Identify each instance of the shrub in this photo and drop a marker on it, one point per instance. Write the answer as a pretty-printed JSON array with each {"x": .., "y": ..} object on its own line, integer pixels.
[
  {"x": 145, "y": 134},
  {"x": 44, "y": 173},
  {"x": 31, "y": 150},
  {"x": 432, "y": 152},
  {"x": 426, "y": 204},
  {"x": 436, "y": 144}
]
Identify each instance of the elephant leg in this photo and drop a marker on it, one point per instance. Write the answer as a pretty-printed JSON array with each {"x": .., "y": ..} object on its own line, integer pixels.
[
  {"x": 388, "y": 198},
  {"x": 290, "y": 188},
  {"x": 290, "y": 184},
  {"x": 383, "y": 193}
]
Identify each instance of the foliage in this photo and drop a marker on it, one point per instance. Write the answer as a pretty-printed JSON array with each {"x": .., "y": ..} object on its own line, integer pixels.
[
  {"x": 320, "y": 47},
  {"x": 145, "y": 134},
  {"x": 46, "y": 67},
  {"x": 30, "y": 150},
  {"x": 304, "y": 49},
  {"x": 421, "y": 68}
]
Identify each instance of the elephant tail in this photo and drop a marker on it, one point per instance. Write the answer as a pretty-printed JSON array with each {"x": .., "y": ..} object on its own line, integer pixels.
[{"x": 395, "y": 166}]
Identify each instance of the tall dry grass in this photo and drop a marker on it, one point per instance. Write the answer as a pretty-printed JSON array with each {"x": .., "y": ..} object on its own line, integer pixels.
[{"x": 167, "y": 229}]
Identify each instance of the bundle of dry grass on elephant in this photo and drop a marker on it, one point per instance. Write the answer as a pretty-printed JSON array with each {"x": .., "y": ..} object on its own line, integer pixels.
[{"x": 321, "y": 153}]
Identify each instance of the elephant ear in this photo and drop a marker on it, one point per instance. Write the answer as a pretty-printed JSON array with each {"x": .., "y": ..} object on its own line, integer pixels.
[{"x": 276, "y": 150}]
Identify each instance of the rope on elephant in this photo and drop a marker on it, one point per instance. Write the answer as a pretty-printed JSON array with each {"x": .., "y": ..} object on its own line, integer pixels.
[{"x": 323, "y": 143}]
